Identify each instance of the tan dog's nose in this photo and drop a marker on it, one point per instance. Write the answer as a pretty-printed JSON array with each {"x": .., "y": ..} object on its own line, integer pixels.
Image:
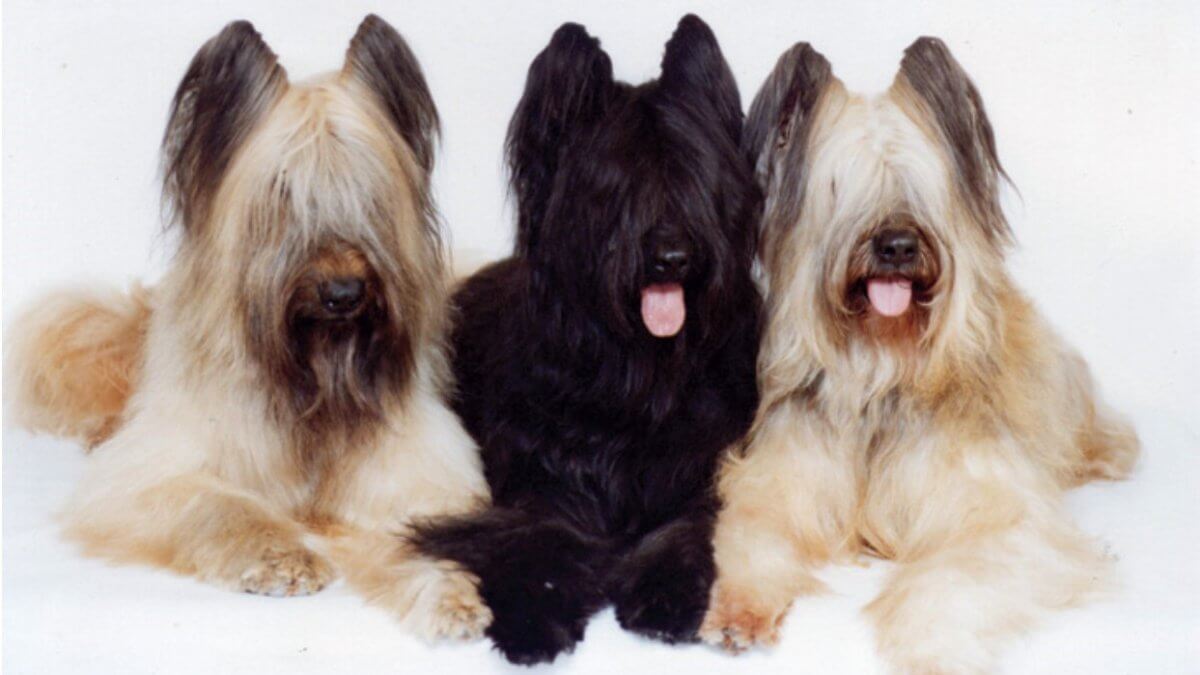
[
  {"x": 341, "y": 295},
  {"x": 896, "y": 247}
]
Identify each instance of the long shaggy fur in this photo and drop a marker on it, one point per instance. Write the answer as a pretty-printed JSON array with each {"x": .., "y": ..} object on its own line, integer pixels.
[
  {"x": 271, "y": 437},
  {"x": 600, "y": 441},
  {"x": 72, "y": 360},
  {"x": 941, "y": 439}
]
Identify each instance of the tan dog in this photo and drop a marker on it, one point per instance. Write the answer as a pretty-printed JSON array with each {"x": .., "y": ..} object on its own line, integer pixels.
[
  {"x": 914, "y": 404},
  {"x": 272, "y": 414}
]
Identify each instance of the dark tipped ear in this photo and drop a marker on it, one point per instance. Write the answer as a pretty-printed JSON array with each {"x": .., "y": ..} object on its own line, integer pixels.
[
  {"x": 956, "y": 109},
  {"x": 693, "y": 67},
  {"x": 784, "y": 108},
  {"x": 231, "y": 82},
  {"x": 381, "y": 60},
  {"x": 567, "y": 89}
]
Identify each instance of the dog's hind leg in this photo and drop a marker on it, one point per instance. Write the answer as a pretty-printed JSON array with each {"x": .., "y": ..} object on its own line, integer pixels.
[
  {"x": 983, "y": 549},
  {"x": 72, "y": 360},
  {"x": 536, "y": 573},
  {"x": 660, "y": 588},
  {"x": 951, "y": 611},
  {"x": 1108, "y": 446}
]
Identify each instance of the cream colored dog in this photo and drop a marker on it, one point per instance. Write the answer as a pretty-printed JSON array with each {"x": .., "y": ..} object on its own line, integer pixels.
[
  {"x": 914, "y": 405},
  {"x": 272, "y": 413}
]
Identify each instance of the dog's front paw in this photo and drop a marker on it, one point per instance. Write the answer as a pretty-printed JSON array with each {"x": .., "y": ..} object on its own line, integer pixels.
[
  {"x": 538, "y": 620},
  {"x": 918, "y": 637},
  {"x": 665, "y": 608},
  {"x": 931, "y": 666},
  {"x": 933, "y": 655},
  {"x": 458, "y": 612},
  {"x": 531, "y": 640},
  {"x": 738, "y": 620},
  {"x": 282, "y": 572}
]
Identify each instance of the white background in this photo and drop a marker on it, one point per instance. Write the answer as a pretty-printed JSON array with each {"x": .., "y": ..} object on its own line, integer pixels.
[{"x": 1096, "y": 109}]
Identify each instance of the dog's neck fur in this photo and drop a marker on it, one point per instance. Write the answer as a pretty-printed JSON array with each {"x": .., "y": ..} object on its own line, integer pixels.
[
  {"x": 868, "y": 385},
  {"x": 646, "y": 369}
]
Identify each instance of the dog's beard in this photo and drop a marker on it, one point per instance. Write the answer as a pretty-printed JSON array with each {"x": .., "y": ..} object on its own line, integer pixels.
[
  {"x": 331, "y": 373},
  {"x": 340, "y": 368}
]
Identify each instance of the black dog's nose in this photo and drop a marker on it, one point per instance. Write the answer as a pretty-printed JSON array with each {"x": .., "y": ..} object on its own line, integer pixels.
[
  {"x": 671, "y": 262},
  {"x": 896, "y": 247},
  {"x": 341, "y": 295}
]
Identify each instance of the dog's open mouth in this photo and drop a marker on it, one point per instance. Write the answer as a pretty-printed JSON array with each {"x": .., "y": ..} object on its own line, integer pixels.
[
  {"x": 663, "y": 309},
  {"x": 890, "y": 296}
]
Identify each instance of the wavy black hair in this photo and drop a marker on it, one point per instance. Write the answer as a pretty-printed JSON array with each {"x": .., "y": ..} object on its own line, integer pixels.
[{"x": 600, "y": 441}]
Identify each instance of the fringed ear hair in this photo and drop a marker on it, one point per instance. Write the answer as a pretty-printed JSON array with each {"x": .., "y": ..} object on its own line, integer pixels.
[
  {"x": 232, "y": 81},
  {"x": 693, "y": 69},
  {"x": 381, "y": 60},
  {"x": 567, "y": 89},
  {"x": 782, "y": 112},
  {"x": 775, "y": 140},
  {"x": 956, "y": 111}
]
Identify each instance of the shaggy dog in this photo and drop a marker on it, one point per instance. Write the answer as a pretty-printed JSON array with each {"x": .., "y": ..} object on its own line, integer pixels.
[
  {"x": 285, "y": 379},
  {"x": 914, "y": 405},
  {"x": 605, "y": 366}
]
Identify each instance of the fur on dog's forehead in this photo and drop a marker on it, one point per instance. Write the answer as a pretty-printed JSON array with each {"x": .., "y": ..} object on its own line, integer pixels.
[
  {"x": 670, "y": 133},
  {"x": 870, "y": 157},
  {"x": 324, "y": 163},
  {"x": 839, "y": 160},
  {"x": 656, "y": 154},
  {"x": 252, "y": 162},
  {"x": 652, "y": 160}
]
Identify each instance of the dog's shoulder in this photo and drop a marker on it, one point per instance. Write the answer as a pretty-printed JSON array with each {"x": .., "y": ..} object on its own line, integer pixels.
[
  {"x": 495, "y": 290},
  {"x": 487, "y": 311}
]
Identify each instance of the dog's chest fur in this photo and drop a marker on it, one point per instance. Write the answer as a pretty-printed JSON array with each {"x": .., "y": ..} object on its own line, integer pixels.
[
  {"x": 616, "y": 443},
  {"x": 871, "y": 414}
]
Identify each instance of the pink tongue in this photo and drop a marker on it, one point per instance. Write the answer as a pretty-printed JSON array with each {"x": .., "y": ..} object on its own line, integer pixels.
[
  {"x": 663, "y": 310},
  {"x": 890, "y": 297}
]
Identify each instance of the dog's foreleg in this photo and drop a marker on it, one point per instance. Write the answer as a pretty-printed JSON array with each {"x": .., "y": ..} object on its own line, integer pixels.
[
  {"x": 196, "y": 524},
  {"x": 537, "y": 574},
  {"x": 661, "y": 587},
  {"x": 789, "y": 503},
  {"x": 432, "y": 598}
]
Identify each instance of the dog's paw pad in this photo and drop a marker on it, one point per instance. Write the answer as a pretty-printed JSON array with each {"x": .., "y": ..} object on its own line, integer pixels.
[
  {"x": 460, "y": 613},
  {"x": 286, "y": 572},
  {"x": 738, "y": 626},
  {"x": 664, "y": 617},
  {"x": 537, "y": 642}
]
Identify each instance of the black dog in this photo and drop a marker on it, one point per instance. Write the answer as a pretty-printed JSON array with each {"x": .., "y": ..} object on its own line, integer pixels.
[{"x": 605, "y": 366}]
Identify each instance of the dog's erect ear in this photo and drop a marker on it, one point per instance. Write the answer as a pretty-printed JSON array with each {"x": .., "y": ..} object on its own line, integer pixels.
[
  {"x": 783, "y": 110},
  {"x": 568, "y": 87},
  {"x": 381, "y": 60},
  {"x": 231, "y": 82},
  {"x": 693, "y": 68},
  {"x": 956, "y": 110}
]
